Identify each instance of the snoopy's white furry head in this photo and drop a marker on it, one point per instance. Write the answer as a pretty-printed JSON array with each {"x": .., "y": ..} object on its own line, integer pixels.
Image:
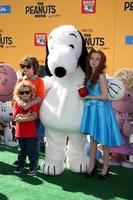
[
  {"x": 65, "y": 51},
  {"x": 6, "y": 115}
]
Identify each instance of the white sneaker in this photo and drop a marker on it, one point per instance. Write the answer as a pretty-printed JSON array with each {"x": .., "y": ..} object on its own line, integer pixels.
[{"x": 32, "y": 172}]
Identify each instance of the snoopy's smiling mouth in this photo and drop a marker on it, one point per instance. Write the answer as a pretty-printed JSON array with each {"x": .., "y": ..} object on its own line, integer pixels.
[{"x": 4, "y": 95}]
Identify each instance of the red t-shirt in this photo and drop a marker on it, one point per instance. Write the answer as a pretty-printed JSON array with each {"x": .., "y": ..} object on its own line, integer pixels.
[{"x": 25, "y": 129}]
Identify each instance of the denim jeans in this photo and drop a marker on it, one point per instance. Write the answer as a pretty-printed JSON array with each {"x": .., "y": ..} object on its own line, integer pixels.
[{"x": 28, "y": 147}]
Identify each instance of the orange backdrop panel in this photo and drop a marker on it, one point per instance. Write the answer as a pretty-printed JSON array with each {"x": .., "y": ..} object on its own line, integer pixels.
[{"x": 105, "y": 29}]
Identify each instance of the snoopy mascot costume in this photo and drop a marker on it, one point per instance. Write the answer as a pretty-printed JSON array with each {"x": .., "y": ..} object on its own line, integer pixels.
[{"x": 61, "y": 110}]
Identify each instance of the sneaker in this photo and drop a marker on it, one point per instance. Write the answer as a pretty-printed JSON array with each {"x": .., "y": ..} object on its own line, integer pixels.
[
  {"x": 32, "y": 172},
  {"x": 18, "y": 170},
  {"x": 15, "y": 164}
]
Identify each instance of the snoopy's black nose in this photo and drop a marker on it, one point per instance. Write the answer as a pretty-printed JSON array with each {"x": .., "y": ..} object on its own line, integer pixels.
[{"x": 60, "y": 72}]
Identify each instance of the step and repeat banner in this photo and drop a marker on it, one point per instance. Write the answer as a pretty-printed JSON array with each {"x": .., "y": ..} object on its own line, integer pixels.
[{"x": 25, "y": 25}]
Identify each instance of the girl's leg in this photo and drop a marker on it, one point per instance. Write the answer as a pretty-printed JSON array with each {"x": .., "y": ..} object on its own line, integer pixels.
[
  {"x": 93, "y": 148},
  {"x": 31, "y": 146},
  {"x": 22, "y": 152},
  {"x": 21, "y": 156},
  {"x": 105, "y": 160}
]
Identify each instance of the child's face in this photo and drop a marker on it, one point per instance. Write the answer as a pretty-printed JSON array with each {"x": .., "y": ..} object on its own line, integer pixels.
[
  {"x": 27, "y": 70},
  {"x": 95, "y": 60},
  {"x": 25, "y": 93}
]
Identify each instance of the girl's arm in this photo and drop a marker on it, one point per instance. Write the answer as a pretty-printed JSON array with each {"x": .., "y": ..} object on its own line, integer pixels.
[
  {"x": 32, "y": 115},
  {"x": 103, "y": 87},
  {"x": 26, "y": 118}
]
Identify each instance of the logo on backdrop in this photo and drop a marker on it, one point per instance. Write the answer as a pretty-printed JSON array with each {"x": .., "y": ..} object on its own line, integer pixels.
[
  {"x": 41, "y": 10},
  {"x": 40, "y": 39},
  {"x": 129, "y": 39},
  {"x": 6, "y": 41},
  {"x": 128, "y": 6},
  {"x": 88, "y": 6},
  {"x": 93, "y": 40},
  {"x": 5, "y": 9}
]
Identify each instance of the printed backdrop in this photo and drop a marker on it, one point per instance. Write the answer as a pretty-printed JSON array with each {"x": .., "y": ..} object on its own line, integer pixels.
[{"x": 25, "y": 25}]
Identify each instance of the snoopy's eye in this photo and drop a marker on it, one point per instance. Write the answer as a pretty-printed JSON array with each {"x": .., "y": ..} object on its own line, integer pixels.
[
  {"x": 71, "y": 45},
  {"x": 6, "y": 80},
  {"x": 128, "y": 95}
]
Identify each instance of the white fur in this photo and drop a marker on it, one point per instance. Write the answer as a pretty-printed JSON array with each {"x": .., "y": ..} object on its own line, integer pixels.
[{"x": 61, "y": 110}]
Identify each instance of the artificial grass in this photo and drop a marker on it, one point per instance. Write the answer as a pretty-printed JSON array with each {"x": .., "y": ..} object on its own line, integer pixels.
[{"x": 67, "y": 186}]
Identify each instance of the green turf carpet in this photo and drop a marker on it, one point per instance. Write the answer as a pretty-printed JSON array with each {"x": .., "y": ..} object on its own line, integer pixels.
[{"x": 67, "y": 186}]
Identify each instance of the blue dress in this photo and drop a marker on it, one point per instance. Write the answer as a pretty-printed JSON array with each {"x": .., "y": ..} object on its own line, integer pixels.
[{"x": 99, "y": 120}]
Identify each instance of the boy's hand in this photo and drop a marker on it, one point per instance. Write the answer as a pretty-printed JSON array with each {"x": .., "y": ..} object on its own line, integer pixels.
[{"x": 26, "y": 106}]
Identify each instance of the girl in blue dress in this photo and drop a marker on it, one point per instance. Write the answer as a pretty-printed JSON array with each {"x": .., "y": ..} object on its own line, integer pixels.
[{"x": 98, "y": 119}]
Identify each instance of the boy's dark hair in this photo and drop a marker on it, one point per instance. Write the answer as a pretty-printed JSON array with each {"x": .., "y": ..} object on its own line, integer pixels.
[{"x": 32, "y": 61}]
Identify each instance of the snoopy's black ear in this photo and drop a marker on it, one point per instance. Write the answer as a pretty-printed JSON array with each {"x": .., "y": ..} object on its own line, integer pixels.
[
  {"x": 84, "y": 54},
  {"x": 46, "y": 62}
]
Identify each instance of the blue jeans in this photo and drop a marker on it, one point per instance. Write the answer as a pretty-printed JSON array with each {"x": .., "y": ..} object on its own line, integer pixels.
[
  {"x": 41, "y": 135},
  {"x": 28, "y": 147}
]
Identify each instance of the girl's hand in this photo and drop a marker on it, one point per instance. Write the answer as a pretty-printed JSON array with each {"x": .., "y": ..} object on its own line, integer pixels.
[
  {"x": 84, "y": 98},
  {"x": 18, "y": 119},
  {"x": 18, "y": 115}
]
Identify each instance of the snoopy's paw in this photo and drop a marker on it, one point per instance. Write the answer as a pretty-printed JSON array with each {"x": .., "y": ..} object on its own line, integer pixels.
[
  {"x": 78, "y": 167},
  {"x": 51, "y": 169}
]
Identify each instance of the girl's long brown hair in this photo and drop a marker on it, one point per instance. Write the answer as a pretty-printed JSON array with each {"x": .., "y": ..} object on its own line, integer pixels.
[{"x": 100, "y": 69}]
